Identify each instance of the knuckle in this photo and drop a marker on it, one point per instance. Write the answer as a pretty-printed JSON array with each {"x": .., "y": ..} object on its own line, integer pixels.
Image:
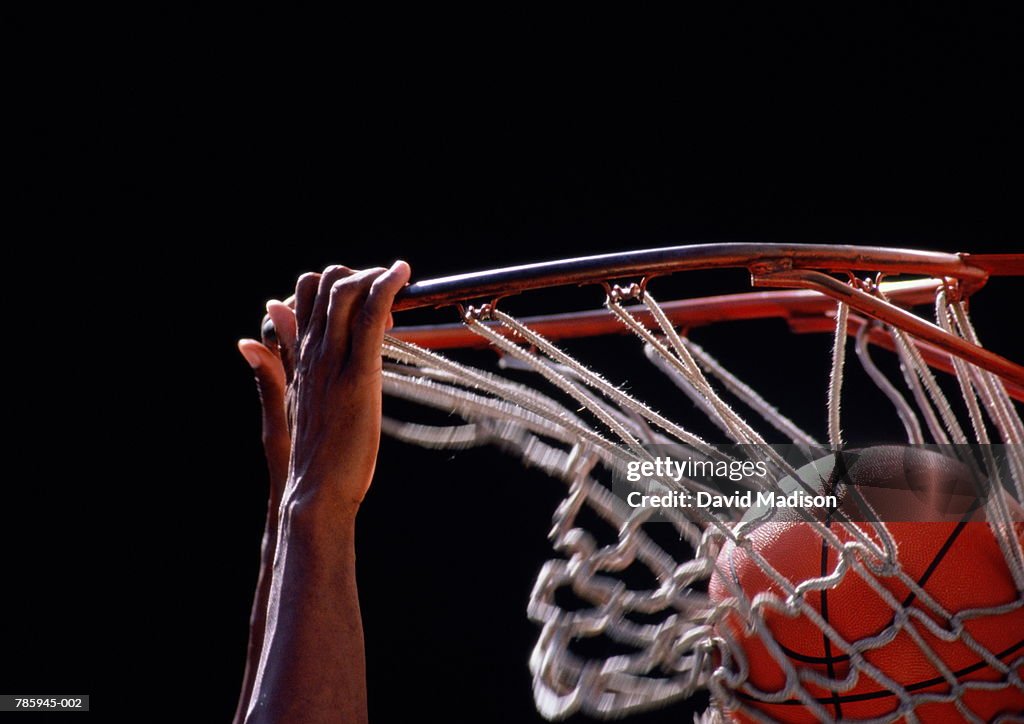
[
  {"x": 354, "y": 284},
  {"x": 343, "y": 288},
  {"x": 336, "y": 270},
  {"x": 368, "y": 277},
  {"x": 306, "y": 285},
  {"x": 384, "y": 285}
]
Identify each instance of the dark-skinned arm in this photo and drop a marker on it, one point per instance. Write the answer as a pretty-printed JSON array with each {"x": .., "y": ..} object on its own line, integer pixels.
[{"x": 312, "y": 663}]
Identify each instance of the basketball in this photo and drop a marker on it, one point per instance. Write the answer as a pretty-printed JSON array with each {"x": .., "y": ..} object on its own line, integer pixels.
[{"x": 959, "y": 565}]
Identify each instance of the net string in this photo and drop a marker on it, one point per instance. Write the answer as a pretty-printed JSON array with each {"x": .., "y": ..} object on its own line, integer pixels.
[
  {"x": 685, "y": 368},
  {"x": 835, "y": 381},
  {"x": 585, "y": 375},
  {"x": 903, "y": 409},
  {"x": 999, "y": 515},
  {"x": 768, "y": 412},
  {"x": 555, "y": 417},
  {"x": 684, "y": 371},
  {"x": 637, "y": 425},
  {"x": 997, "y": 401},
  {"x": 924, "y": 373},
  {"x": 592, "y": 379}
]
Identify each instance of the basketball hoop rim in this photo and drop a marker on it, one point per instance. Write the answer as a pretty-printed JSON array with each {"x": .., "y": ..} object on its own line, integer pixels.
[
  {"x": 971, "y": 270},
  {"x": 778, "y": 265}
]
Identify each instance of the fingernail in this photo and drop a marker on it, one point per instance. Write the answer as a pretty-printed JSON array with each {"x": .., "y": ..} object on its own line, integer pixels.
[
  {"x": 251, "y": 356},
  {"x": 269, "y": 302}
]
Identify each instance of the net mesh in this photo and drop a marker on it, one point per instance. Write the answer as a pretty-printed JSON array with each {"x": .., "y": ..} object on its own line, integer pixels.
[{"x": 666, "y": 638}]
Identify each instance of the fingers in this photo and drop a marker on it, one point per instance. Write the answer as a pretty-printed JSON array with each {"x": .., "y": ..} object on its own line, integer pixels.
[
  {"x": 270, "y": 381},
  {"x": 284, "y": 321},
  {"x": 346, "y": 298},
  {"x": 305, "y": 296},
  {"x": 318, "y": 315},
  {"x": 335, "y": 310},
  {"x": 267, "y": 332},
  {"x": 374, "y": 318},
  {"x": 285, "y": 331}
]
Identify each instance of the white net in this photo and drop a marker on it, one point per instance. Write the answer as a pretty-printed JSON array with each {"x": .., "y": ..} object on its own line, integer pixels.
[{"x": 903, "y": 639}]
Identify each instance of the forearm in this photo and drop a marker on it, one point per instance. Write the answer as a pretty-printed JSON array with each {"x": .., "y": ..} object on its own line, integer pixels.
[
  {"x": 312, "y": 668},
  {"x": 268, "y": 366},
  {"x": 258, "y": 617}
]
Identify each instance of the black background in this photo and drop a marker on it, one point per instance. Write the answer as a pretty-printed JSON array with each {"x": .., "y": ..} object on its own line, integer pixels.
[{"x": 207, "y": 185}]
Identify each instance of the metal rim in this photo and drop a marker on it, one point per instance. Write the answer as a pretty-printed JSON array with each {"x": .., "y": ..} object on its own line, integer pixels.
[
  {"x": 771, "y": 265},
  {"x": 972, "y": 270}
]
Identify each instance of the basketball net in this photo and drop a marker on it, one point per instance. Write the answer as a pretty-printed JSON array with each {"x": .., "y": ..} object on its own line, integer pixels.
[{"x": 668, "y": 631}]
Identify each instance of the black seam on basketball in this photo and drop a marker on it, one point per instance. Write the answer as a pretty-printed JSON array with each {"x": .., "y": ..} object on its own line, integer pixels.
[
  {"x": 797, "y": 656},
  {"x": 880, "y": 694},
  {"x": 936, "y": 560},
  {"x": 732, "y": 571},
  {"x": 827, "y": 644},
  {"x": 829, "y": 660}
]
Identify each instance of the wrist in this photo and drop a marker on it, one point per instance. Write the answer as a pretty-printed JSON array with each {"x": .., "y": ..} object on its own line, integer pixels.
[
  {"x": 313, "y": 516},
  {"x": 314, "y": 543}
]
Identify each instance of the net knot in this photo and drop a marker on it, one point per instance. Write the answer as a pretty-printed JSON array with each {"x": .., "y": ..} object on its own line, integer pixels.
[
  {"x": 476, "y": 314},
  {"x": 617, "y": 293}
]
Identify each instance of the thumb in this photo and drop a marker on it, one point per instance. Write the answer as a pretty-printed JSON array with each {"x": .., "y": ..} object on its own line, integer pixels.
[{"x": 270, "y": 381}]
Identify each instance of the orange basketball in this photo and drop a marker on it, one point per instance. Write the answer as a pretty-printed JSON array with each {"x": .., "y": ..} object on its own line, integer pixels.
[{"x": 959, "y": 564}]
